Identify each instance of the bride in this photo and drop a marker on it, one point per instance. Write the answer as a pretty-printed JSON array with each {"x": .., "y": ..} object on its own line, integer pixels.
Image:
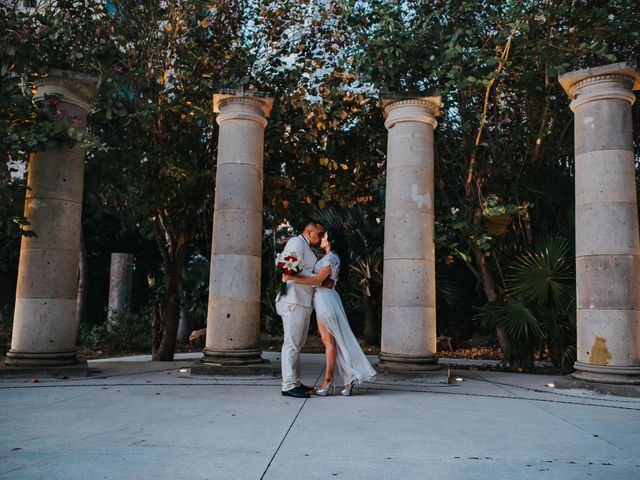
[{"x": 341, "y": 347}]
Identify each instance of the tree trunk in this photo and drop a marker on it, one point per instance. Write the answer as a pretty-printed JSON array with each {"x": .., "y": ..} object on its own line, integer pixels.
[
  {"x": 156, "y": 328},
  {"x": 489, "y": 287},
  {"x": 169, "y": 317},
  {"x": 523, "y": 357}
]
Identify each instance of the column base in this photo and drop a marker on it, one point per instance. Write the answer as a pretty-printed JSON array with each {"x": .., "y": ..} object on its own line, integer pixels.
[
  {"x": 570, "y": 382},
  {"x": 412, "y": 366},
  {"x": 607, "y": 374},
  {"x": 232, "y": 363},
  {"x": 48, "y": 359},
  {"x": 80, "y": 369}
]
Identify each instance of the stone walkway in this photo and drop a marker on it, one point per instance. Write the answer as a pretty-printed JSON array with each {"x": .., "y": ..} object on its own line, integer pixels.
[{"x": 147, "y": 420}]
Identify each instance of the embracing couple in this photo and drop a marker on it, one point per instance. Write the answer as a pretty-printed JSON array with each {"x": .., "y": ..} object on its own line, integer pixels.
[{"x": 313, "y": 289}]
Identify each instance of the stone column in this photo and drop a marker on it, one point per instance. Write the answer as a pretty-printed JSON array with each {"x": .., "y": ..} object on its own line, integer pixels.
[
  {"x": 45, "y": 320},
  {"x": 233, "y": 319},
  {"x": 408, "y": 298},
  {"x": 120, "y": 282},
  {"x": 607, "y": 244}
]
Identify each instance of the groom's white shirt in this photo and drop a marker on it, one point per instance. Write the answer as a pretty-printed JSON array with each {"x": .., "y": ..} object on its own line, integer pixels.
[{"x": 298, "y": 294}]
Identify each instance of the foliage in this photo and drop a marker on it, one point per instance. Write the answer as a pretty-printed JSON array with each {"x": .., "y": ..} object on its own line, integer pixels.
[
  {"x": 156, "y": 116},
  {"x": 195, "y": 282},
  {"x": 539, "y": 310},
  {"x": 544, "y": 276},
  {"x": 124, "y": 331},
  {"x": 504, "y": 160},
  {"x": 44, "y": 34},
  {"x": 5, "y": 329}
]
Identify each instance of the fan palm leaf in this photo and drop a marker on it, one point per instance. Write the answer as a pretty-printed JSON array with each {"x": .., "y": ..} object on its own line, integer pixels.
[{"x": 544, "y": 275}]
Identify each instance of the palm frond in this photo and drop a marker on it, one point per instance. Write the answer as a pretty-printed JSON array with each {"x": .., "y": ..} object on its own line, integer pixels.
[
  {"x": 488, "y": 315},
  {"x": 448, "y": 289},
  {"x": 569, "y": 357},
  {"x": 519, "y": 321},
  {"x": 330, "y": 217},
  {"x": 543, "y": 275}
]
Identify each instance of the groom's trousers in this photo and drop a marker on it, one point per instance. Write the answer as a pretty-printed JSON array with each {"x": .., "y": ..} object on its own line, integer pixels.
[{"x": 295, "y": 319}]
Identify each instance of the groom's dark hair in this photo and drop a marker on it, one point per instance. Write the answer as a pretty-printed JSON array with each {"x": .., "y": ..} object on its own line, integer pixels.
[{"x": 313, "y": 223}]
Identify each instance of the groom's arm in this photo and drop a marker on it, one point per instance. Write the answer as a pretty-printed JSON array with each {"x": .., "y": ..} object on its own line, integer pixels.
[
  {"x": 317, "y": 279},
  {"x": 295, "y": 245}
]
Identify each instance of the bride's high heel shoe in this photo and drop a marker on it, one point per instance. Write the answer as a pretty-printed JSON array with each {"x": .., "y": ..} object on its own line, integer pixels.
[
  {"x": 348, "y": 389},
  {"x": 322, "y": 392}
]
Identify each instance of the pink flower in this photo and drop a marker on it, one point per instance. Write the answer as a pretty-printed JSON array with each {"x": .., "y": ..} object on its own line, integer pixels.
[{"x": 118, "y": 69}]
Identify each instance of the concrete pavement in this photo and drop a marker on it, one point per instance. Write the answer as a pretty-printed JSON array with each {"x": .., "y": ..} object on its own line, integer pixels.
[{"x": 149, "y": 420}]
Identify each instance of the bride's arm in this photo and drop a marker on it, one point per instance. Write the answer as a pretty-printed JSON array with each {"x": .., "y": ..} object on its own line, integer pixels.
[{"x": 313, "y": 280}]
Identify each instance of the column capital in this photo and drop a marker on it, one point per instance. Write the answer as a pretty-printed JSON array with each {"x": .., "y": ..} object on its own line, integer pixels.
[
  {"x": 78, "y": 89},
  {"x": 242, "y": 106},
  {"x": 614, "y": 81},
  {"x": 411, "y": 109}
]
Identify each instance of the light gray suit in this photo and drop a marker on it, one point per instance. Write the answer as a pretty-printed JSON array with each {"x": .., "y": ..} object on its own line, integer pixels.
[{"x": 295, "y": 309}]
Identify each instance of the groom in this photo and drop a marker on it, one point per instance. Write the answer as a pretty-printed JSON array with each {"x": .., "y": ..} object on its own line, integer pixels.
[{"x": 295, "y": 309}]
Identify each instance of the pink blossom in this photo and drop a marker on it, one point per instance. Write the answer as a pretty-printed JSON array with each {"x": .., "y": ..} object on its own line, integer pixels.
[{"x": 118, "y": 69}]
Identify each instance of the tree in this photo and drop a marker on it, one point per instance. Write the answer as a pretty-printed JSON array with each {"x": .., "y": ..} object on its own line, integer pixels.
[
  {"x": 155, "y": 113},
  {"x": 505, "y": 126}
]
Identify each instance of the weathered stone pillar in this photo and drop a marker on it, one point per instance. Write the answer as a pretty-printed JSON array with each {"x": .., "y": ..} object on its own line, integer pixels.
[
  {"x": 408, "y": 298},
  {"x": 120, "y": 282},
  {"x": 233, "y": 319},
  {"x": 607, "y": 244},
  {"x": 45, "y": 320}
]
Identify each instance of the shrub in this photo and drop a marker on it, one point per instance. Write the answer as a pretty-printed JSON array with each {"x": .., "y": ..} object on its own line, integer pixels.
[{"x": 123, "y": 331}]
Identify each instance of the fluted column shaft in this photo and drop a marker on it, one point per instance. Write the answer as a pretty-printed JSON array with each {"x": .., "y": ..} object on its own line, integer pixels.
[
  {"x": 607, "y": 242},
  {"x": 233, "y": 319},
  {"x": 408, "y": 299},
  {"x": 45, "y": 322}
]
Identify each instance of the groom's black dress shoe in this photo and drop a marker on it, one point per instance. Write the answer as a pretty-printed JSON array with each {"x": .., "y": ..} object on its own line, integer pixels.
[
  {"x": 303, "y": 388},
  {"x": 296, "y": 392}
]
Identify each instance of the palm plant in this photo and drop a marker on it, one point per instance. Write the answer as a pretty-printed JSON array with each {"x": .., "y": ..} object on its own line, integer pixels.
[
  {"x": 544, "y": 275},
  {"x": 520, "y": 322},
  {"x": 540, "y": 302}
]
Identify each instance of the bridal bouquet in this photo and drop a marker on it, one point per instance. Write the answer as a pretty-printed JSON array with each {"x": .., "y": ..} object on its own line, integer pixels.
[{"x": 288, "y": 265}]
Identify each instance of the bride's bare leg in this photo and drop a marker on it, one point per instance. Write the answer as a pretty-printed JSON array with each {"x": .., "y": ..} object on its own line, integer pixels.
[{"x": 329, "y": 352}]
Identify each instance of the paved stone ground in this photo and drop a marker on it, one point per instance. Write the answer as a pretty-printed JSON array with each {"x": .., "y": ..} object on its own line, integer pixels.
[{"x": 146, "y": 420}]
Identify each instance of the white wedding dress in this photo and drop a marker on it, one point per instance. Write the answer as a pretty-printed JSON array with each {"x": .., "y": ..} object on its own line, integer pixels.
[{"x": 351, "y": 362}]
